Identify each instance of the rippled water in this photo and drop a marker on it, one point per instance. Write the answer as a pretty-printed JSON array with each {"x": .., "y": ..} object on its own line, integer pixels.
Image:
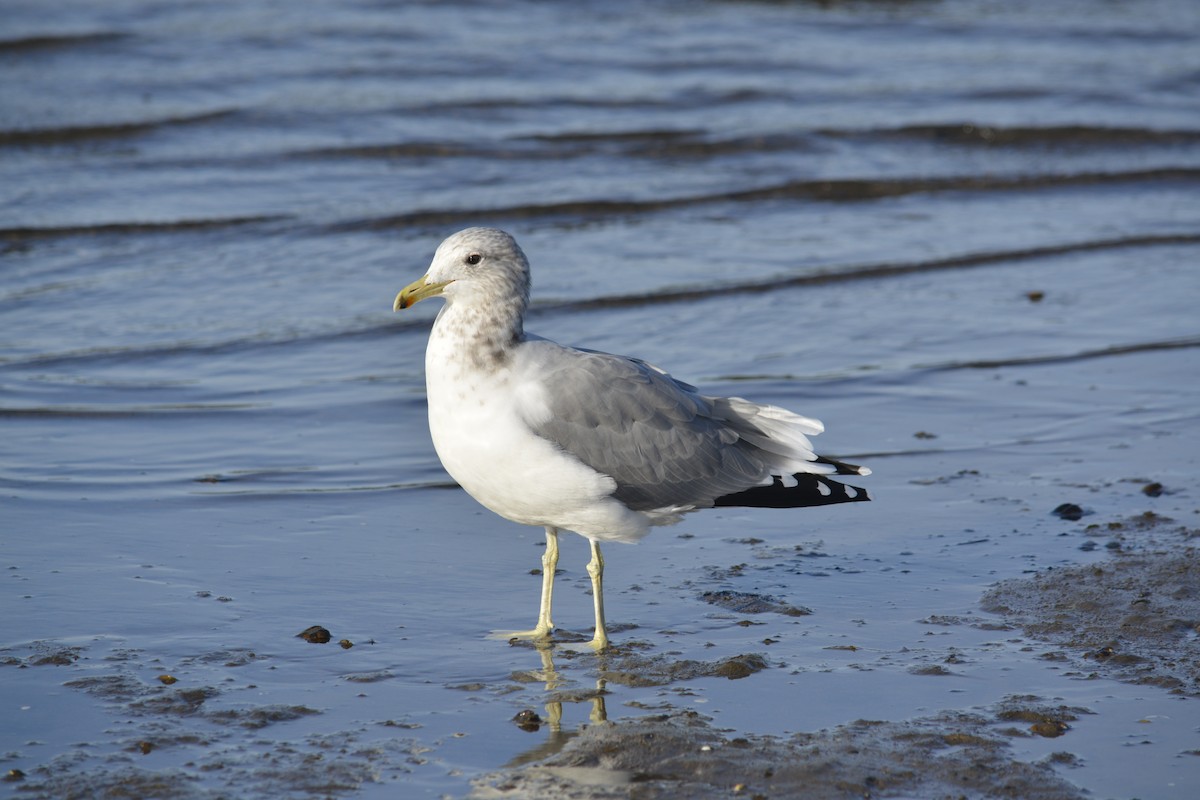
[{"x": 973, "y": 220}]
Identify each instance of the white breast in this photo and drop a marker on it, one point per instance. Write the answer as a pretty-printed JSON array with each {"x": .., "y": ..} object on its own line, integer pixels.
[{"x": 483, "y": 442}]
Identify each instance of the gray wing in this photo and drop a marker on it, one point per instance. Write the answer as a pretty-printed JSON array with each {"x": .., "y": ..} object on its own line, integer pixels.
[{"x": 663, "y": 443}]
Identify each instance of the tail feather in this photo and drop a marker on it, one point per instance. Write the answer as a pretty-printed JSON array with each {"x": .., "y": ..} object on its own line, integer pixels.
[
  {"x": 841, "y": 467},
  {"x": 801, "y": 490}
]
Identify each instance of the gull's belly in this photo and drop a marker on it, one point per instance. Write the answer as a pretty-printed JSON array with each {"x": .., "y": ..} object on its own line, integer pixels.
[{"x": 488, "y": 449}]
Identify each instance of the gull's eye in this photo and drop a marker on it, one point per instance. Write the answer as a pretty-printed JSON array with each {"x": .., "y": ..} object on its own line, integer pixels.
[{"x": 474, "y": 259}]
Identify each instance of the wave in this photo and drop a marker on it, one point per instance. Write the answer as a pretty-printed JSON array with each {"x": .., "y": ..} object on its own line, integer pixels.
[
  {"x": 283, "y": 491},
  {"x": 1054, "y": 135},
  {"x": 134, "y": 353},
  {"x": 833, "y": 190},
  {"x": 1067, "y": 358},
  {"x": 173, "y": 226},
  {"x": 122, "y": 412},
  {"x": 116, "y": 130},
  {"x": 837, "y": 190},
  {"x": 884, "y": 270},
  {"x": 845, "y": 190},
  {"x": 845, "y": 274},
  {"x": 58, "y": 41},
  {"x": 695, "y": 144}
]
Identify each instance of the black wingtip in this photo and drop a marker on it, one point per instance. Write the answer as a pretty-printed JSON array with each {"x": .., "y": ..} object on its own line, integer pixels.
[{"x": 809, "y": 490}]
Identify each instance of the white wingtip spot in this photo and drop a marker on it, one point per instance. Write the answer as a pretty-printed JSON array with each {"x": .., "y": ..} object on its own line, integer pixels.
[
  {"x": 850, "y": 491},
  {"x": 864, "y": 471},
  {"x": 824, "y": 489}
]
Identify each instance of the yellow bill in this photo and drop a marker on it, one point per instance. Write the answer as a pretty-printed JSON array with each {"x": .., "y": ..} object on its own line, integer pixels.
[{"x": 417, "y": 291}]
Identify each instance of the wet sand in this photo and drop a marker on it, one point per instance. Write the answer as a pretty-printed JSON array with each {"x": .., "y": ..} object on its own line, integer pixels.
[
  {"x": 1132, "y": 616},
  {"x": 684, "y": 756}
]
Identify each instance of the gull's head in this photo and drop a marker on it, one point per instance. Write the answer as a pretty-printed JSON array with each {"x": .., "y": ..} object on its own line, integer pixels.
[{"x": 481, "y": 262}]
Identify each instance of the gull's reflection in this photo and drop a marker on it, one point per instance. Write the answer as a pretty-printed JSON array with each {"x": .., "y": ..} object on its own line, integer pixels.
[{"x": 557, "y": 697}]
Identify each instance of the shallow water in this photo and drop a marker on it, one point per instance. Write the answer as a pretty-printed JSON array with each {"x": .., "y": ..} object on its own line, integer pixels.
[{"x": 975, "y": 222}]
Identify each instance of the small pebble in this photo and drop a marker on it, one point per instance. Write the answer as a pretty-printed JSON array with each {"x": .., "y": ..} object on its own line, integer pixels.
[
  {"x": 315, "y": 635},
  {"x": 528, "y": 720},
  {"x": 1068, "y": 511}
]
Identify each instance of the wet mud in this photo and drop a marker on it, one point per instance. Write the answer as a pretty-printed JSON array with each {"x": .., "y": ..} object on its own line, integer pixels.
[
  {"x": 681, "y": 755},
  {"x": 1134, "y": 617},
  {"x": 172, "y": 740}
]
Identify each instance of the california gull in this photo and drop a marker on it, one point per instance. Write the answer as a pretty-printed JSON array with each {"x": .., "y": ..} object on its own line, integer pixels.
[{"x": 570, "y": 439}]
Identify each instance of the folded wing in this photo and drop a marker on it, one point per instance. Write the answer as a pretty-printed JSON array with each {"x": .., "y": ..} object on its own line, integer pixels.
[{"x": 669, "y": 448}]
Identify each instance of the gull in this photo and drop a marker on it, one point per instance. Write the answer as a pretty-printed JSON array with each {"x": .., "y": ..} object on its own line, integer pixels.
[{"x": 604, "y": 445}]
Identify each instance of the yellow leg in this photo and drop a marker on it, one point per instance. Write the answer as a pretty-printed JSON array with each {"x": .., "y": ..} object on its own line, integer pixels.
[
  {"x": 595, "y": 569},
  {"x": 545, "y": 626},
  {"x": 549, "y": 565},
  {"x": 599, "y": 712}
]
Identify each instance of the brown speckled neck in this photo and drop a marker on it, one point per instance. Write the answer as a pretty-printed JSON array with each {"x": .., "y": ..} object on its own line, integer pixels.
[{"x": 482, "y": 335}]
